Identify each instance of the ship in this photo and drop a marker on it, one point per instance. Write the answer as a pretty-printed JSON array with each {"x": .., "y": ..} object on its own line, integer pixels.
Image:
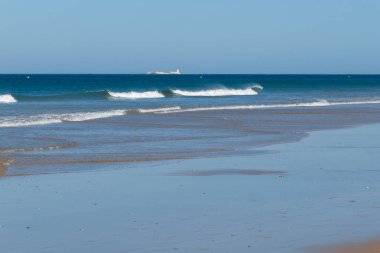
[{"x": 177, "y": 72}]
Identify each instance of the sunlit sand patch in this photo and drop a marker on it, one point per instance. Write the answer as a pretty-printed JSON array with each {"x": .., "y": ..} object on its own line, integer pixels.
[
  {"x": 3, "y": 167},
  {"x": 226, "y": 172},
  {"x": 366, "y": 247}
]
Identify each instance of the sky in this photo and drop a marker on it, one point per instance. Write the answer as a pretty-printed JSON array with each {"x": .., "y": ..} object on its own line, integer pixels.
[{"x": 196, "y": 36}]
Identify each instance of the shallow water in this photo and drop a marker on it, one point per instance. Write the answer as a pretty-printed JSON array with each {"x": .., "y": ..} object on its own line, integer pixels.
[
  {"x": 137, "y": 138},
  {"x": 63, "y": 123},
  {"x": 328, "y": 193}
]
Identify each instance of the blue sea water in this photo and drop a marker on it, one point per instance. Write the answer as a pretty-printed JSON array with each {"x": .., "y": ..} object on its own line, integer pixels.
[
  {"x": 61, "y": 98},
  {"x": 62, "y": 123},
  {"x": 136, "y": 123}
]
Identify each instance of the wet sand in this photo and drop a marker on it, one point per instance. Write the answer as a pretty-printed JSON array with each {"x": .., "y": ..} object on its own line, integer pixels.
[
  {"x": 32, "y": 149},
  {"x": 328, "y": 195},
  {"x": 366, "y": 247},
  {"x": 204, "y": 173},
  {"x": 4, "y": 163}
]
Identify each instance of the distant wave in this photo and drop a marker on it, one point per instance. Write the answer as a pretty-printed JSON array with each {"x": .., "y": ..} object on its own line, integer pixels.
[
  {"x": 257, "y": 86},
  {"x": 187, "y": 93},
  {"x": 46, "y": 119},
  {"x": 85, "y": 95},
  {"x": 7, "y": 99},
  {"x": 132, "y": 95},
  {"x": 216, "y": 92},
  {"x": 136, "y": 95}
]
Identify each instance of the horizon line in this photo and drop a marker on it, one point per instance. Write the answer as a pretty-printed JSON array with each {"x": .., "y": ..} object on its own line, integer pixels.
[{"x": 325, "y": 74}]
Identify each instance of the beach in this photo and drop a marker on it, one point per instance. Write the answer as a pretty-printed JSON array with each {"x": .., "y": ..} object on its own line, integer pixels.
[
  {"x": 222, "y": 163},
  {"x": 319, "y": 191},
  {"x": 189, "y": 126}
]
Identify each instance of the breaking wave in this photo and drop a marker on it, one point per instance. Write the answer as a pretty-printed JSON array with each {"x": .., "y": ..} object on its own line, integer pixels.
[
  {"x": 217, "y": 92},
  {"x": 132, "y": 95},
  {"x": 136, "y": 95},
  {"x": 252, "y": 90},
  {"x": 45, "y": 119},
  {"x": 7, "y": 99},
  {"x": 257, "y": 87}
]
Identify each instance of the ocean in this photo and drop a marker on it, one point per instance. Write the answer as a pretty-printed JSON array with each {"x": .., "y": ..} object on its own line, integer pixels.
[
  {"x": 43, "y": 99},
  {"x": 50, "y": 122}
]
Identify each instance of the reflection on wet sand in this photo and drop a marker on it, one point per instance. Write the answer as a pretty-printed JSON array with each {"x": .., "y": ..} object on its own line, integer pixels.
[
  {"x": 13, "y": 150},
  {"x": 226, "y": 172},
  {"x": 95, "y": 161}
]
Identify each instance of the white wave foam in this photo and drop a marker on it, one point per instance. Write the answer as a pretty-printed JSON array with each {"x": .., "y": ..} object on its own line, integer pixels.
[
  {"x": 273, "y": 106},
  {"x": 28, "y": 121},
  {"x": 7, "y": 99},
  {"x": 46, "y": 119},
  {"x": 91, "y": 115},
  {"x": 136, "y": 95},
  {"x": 159, "y": 110},
  {"x": 257, "y": 86},
  {"x": 217, "y": 92}
]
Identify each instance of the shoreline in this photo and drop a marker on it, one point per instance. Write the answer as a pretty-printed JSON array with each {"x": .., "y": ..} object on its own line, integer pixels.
[{"x": 173, "y": 137}]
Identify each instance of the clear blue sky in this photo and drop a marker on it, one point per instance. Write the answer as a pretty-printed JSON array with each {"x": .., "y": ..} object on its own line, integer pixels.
[{"x": 197, "y": 36}]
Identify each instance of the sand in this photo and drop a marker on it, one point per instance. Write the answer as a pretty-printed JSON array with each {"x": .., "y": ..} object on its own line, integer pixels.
[
  {"x": 366, "y": 247},
  {"x": 328, "y": 195},
  {"x": 226, "y": 172}
]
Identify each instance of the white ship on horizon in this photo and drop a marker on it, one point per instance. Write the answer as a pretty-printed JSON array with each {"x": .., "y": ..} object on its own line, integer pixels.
[{"x": 177, "y": 72}]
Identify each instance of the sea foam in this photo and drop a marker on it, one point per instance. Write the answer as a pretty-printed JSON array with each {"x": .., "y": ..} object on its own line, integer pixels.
[
  {"x": 136, "y": 95},
  {"x": 318, "y": 103},
  {"x": 159, "y": 110},
  {"x": 256, "y": 86},
  {"x": 217, "y": 92},
  {"x": 91, "y": 115},
  {"x": 46, "y": 119},
  {"x": 7, "y": 99}
]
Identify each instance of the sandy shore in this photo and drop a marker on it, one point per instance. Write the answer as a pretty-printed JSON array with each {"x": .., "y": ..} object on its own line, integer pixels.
[
  {"x": 366, "y": 247},
  {"x": 322, "y": 190}
]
